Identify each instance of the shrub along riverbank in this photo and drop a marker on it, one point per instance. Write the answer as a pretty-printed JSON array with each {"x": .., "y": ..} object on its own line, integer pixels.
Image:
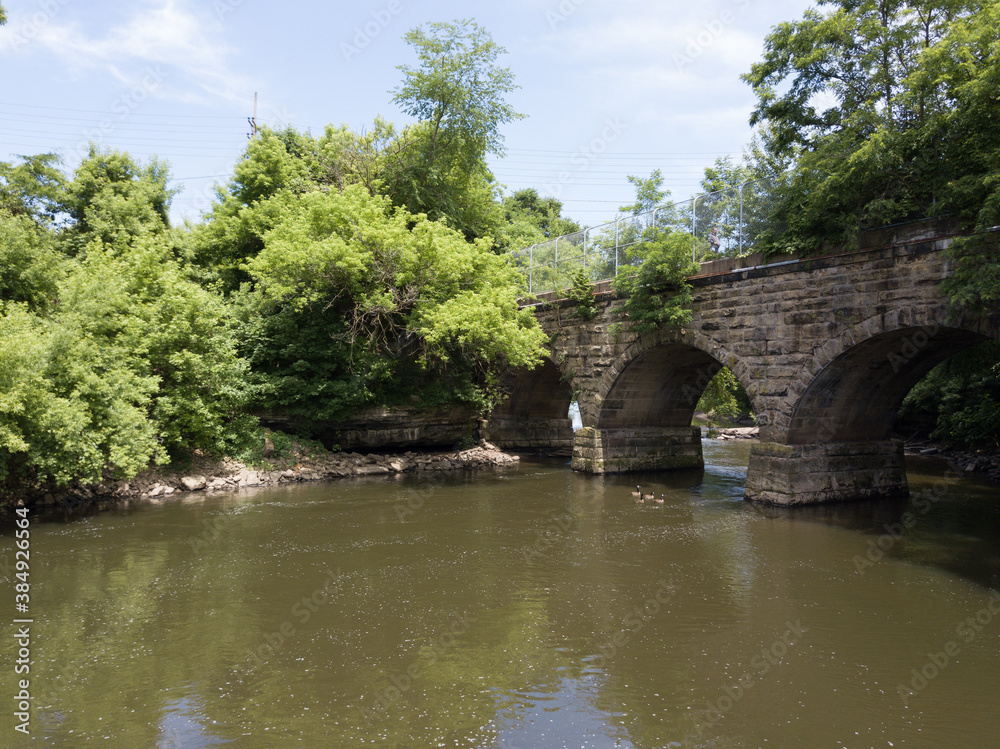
[{"x": 298, "y": 463}]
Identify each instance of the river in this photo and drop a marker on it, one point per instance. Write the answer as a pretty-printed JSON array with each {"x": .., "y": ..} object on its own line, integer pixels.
[{"x": 524, "y": 607}]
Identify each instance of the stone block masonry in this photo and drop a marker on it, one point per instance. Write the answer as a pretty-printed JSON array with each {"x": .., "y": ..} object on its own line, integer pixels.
[
  {"x": 637, "y": 449},
  {"x": 826, "y": 347}
]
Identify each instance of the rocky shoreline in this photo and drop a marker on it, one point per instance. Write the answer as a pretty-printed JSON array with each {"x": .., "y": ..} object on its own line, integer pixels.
[
  {"x": 732, "y": 433},
  {"x": 985, "y": 463},
  {"x": 155, "y": 486}
]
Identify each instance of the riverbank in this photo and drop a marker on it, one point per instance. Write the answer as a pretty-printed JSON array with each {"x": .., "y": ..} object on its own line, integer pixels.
[
  {"x": 732, "y": 433},
  {"x": 985, "y": 463},
  {"x": 157, "y": 485}
]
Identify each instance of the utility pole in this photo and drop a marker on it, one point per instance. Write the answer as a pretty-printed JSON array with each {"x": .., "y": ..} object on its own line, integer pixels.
[{"x": 253, "y": 120}]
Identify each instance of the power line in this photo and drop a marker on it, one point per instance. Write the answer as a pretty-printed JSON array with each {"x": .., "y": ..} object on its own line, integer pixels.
[
  {"x": 626, "y": 155},
  {"x": 15, "y": 131},
  {"x": 133, "y": 114},
  {"x": 119, "y": 123}
]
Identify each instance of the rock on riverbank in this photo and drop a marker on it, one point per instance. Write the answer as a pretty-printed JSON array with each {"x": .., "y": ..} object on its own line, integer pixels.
[
  {"x": 156, "y": 485},
  {"x": 732, "y": 433},
  {"x": 983, "y": 462}
]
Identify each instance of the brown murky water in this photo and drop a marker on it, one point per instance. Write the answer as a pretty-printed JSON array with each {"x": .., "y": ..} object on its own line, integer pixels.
[{"x": 526, "y": 608}]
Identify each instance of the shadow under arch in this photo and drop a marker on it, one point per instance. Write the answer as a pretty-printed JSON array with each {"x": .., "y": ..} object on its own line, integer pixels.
[
  {"x": 668, "y": 367},
  {"x": 856, "y": 396},
  {"x": 535, "y": 415},
  {"x": 641, "y": 415},
  {"x": 867, "y": 371},
  {"x": 660, "y": 387},
  {"x": 836, "y": 443}
]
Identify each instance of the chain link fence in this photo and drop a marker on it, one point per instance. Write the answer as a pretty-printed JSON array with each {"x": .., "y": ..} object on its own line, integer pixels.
[{"x": 736, "y": 215}]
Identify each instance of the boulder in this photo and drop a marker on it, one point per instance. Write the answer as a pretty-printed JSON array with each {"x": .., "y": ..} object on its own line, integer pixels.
[{"x": 193, "y": 483}]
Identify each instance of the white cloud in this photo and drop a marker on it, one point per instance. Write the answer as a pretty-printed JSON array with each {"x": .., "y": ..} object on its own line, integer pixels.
[
  {"x": 679, "y": 67},
  {"x": 165, "y": 34}
]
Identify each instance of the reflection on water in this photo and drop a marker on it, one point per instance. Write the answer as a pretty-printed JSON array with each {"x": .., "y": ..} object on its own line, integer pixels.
[{"x": 527, "y": 607}]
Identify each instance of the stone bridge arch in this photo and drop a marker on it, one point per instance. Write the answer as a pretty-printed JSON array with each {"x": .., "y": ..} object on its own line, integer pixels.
[
  {"x": 639, "y": 415},
  {"x": 688, "y": 358},
  {"x": 535, "y": 415},
  {"x": 864, "y": 374},
  {"x": 834, "y": 438}
]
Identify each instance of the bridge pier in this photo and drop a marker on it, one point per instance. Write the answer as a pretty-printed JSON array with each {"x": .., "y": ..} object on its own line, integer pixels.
[
  {"x": 831, "y": 472},
  {"x": 625, "y": 450},
  {"x": 531, "y": 434}
]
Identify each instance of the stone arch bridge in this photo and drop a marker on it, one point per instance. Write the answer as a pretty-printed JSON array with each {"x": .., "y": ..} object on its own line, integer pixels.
[{"x": 827, "y": 348}]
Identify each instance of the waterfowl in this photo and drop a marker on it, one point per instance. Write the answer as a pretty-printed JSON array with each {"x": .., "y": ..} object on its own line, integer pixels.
[
  {"x": 659, "y": 500},
  {"x": 647, "y": 496},
  {"x": 637, "y": 492}
]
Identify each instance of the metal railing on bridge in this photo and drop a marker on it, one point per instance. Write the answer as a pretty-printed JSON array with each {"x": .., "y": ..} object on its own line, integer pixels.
[{"x": 737, "y": 214}]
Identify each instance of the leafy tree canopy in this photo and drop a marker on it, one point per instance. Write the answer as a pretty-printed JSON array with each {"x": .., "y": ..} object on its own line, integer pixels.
[
  {"x": 882, "y": 109},
  {"x": 649, "y": 193},
  {"x": 33, "y": 188},
  {"x": 529, "y": 219},
  {"x": 458, "y": 90},
  {"x": 404, "y": 301},
  {"x": 112, "y": 196},
  {"x": 30, "y": 266}
]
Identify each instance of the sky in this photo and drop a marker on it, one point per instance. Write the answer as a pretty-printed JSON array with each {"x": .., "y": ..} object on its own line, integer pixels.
[{"x": 609, "y": 88}]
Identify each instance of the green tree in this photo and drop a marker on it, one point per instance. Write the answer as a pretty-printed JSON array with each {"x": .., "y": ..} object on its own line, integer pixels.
[
  {"x": 70, "y": 408},
  {"x": 360, "y": 303},
  {"x": 30, "y": 266},
  {"x": 34, "y": 188},
  {"x": 658, "y": 292},
  {"x": 137, "y": 363},
  {"x": 959, "y": 400},
  {"x": 544, "y": 213},
  {"x": 457, "y": 96},
  {"x": 582, "y": 294},
  {"x": 649, "y": 193},
  {"x": 862, "y": 99},
  {"x": 458, "y": 90},
  {"x": 724, "y": 396},
  {"x": 530, "y": 219},
  {"x": 113, "y": 196}
]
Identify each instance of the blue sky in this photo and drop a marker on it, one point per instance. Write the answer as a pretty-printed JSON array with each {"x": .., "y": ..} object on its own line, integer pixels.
[{"x": 609, "y": 88}]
